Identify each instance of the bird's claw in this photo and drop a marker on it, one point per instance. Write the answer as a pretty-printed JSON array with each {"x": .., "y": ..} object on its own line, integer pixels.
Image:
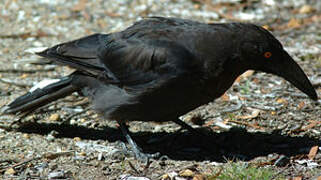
[{"x": 145, "y": 157}]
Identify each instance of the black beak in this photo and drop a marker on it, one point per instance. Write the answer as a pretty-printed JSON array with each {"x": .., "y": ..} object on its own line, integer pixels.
[{"x": 291, "y": 71}]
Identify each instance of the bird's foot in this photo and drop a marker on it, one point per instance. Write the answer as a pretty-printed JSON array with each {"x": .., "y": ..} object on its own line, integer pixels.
[
  {"x": 145, "y": 157},
  {"x": 139, "y": 154}
]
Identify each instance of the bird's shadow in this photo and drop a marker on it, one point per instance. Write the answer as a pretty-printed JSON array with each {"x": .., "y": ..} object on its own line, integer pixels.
[{"x": 236, "y": 143}]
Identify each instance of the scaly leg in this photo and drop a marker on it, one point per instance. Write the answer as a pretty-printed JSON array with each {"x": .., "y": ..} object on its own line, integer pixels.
[
  {"x": 186, "y": 126},
  {"x": 137, "y": 150}
]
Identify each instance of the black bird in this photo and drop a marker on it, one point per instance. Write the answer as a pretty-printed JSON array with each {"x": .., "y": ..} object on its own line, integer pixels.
[{"x": 161, "y": 68}]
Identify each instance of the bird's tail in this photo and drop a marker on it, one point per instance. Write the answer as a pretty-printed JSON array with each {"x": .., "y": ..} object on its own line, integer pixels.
[{"x": 41, "y": 94}]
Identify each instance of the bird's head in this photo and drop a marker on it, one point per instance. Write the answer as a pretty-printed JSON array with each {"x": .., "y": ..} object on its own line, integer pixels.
[{"x": 263, "y": 52}]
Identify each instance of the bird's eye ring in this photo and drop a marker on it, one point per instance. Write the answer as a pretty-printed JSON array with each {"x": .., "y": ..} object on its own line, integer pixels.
[{"x": 267, "y": 54}]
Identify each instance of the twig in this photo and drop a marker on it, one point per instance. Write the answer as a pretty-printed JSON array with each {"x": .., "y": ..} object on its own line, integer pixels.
[
  {"x": 20, "y": 163},
  {"x": 217, "y": 174},
  {"x": 146, "y": 168},
  {"x": 67, "y": 119},
  {"x": 8, "y": 160},
  {"x": 25, "y": 35},
  {"x": 246, "y": 124},
  {"x": 77, "y": 102},
  {"x": 279, "y": 172},
  {"x": 6, "y": 81},
  {"x": 26, "y": 71},
  {"x": 133, "y": 167},
  {"x": 51, "y": 155},
  {"x": 5, "y": 127},
  {"x": 46, "y": 155},
  {"x": 233, "y": 108},
  {"x": 265, "y": 108}
]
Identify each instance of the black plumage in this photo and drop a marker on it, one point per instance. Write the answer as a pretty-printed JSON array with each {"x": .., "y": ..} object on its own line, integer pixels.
[{"x": 161, "y": 68}]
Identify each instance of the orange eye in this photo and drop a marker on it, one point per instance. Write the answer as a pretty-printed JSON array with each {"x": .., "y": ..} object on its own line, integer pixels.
[{"x": 267, "y": 54}]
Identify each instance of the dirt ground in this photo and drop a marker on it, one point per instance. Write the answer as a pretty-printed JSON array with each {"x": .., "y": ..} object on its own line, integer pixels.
[{"x": 262, "y": 121}]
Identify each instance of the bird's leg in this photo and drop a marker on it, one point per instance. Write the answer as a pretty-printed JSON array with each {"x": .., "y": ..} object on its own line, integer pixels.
[
  {"x": 137, "y": 150},
  {"x": 197, "y": 133},
  {"x": 186, "y": 126}
]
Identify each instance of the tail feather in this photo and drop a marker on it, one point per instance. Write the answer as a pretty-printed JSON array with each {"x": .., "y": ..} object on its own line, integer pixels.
[
  {"x": 81, "y": 54},
  {"x": 40, "y": 96}
]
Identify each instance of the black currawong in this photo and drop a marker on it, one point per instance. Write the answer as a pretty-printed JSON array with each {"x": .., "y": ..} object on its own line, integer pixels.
[{"x": 161, "y": 68}]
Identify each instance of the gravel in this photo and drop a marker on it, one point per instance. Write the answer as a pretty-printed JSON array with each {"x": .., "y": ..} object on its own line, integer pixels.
[{"x": 287, "y": 125}]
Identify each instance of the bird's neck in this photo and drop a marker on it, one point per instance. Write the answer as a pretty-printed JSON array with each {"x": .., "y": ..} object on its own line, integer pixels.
[{"x": 224, "y": 78}]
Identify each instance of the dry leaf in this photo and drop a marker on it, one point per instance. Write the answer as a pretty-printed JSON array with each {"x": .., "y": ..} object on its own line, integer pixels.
[
  {"x": 294, "y": 23},
  {"x": 254, "y": 114},
  {"x": 199, "y": 177},
  {"x": 197, "y": 6},
  {"x": 25, "y": 35},
  {"x": 311, "y": 125},
  {"x": 247, "y": 74},
  {"x": 80, "y": 6},
  {"x": 301, "y": 105},
  {"x": 10, "y": 171},
  {"x": 247, "y": 124},
  {"x": 86, "y": 16},
  {"x": 54, "y": 117},
  {"x": 225, "y": 97},
  {"x": 24, "y": 75},
  {"x": 111, "y": 14},
  {"x": 313, "y": 152},
  {"x": 27, "y": 136},
  {"x": 165, "y": 177},
  {"x": 256, "y": 80},
  {"x": 51, "y": 155},
  {"x": 316, "y": 18},
  {"x": 77, "y": 139},
  {"x": 267, "y": 27},
  {"x": 297, "y": 178},
  {"x": 281, "y": 101},
  {"x": 306, "y": 9},
  {"x": 102, "y": 23},
  {"x": 186, "y": 173}
]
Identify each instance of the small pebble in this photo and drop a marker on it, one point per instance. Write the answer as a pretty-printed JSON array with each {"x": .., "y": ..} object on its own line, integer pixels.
[
  {"x": 100, "y": 156},
  {"x": 129, "y": 177},
  {"x": 50, "y": 137},
  {"x": 54, "y": 117},
  {"x": 56, "y": 175},
  {"x": 72, "y": 122}
]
